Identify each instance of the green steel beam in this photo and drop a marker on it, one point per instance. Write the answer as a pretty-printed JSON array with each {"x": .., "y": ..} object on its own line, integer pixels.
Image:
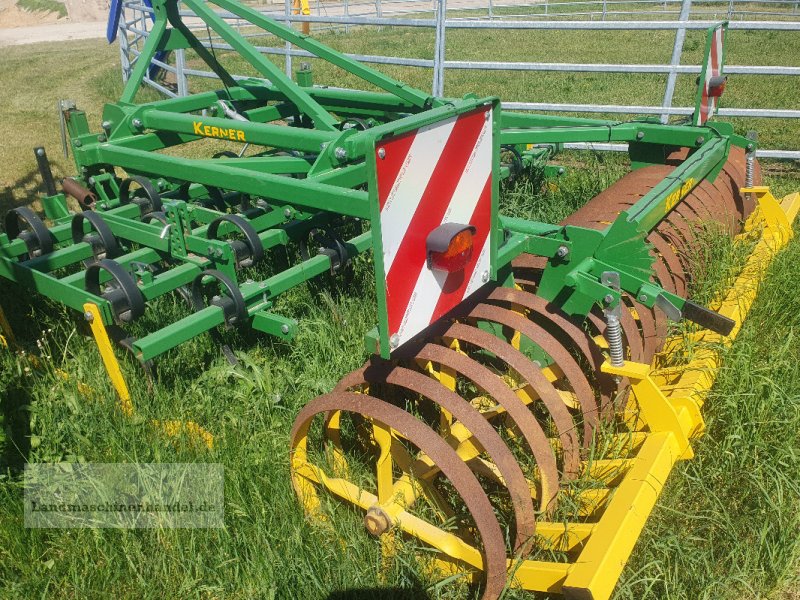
[
  {"x": 651, "y": 209},
  {"x": 306, "y": 193},
  {"x": 264, "y": 134},
  {"x": 322, "y": 119},
  {"x": 368, "y": 74}
]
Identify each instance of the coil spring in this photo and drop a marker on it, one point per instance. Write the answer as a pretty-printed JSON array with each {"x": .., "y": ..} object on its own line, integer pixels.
[
  {"x": 614, "y": 338},
  {"x": 750, "y": 168}
]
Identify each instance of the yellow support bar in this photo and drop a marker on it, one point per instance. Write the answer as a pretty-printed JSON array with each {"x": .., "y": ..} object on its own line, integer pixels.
[
  {"x": 7, "y": 339},
  {"x": 597, "y": 569},
  {"x": 92, "y": 314}
]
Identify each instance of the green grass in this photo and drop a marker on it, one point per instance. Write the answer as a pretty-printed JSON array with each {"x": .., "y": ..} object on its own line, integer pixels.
[
  {"x": 727, "y": 525},
  {"x": 43, "y": 6}
]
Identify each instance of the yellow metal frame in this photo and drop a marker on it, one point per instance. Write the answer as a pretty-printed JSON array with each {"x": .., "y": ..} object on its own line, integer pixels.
[{"x": 666, "y": 404}]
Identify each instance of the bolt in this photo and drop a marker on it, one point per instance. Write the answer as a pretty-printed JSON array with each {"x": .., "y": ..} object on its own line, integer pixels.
[
  {"x": 561, "y": 170},
  {"x": 394, "y": 341},
  {"x": 642, "y": 297},
  {"x": 40, "y": 151},
  {"x": 639, "y": 135},
  {"x": 287, "y": 213},
  {"x": 700, "y": 139},
  {"x": 284, "y": 329},
  {"x": 137, "y": 123},
  {"x": 485, "y": 276},
  {"x": 608, "y": 298},
  {"x": 562, "y": 251},
  {"x": 101, "y": 138},
  {"x": 340, "y": 153},
  {"x": 88, "y": 316},
  {"x": 381, "y": 153},
  {"x": 106, "y": 125},
  {"x": 161, "y": 184},
  {"x": 91, "y": 180},
  {"x": 377, "y": 521},
  {"x": 751, "y": 147},
  {"x": 78, "y": 143}
]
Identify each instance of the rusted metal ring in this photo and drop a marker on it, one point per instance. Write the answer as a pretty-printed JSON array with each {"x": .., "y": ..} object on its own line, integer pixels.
[
  {"x": 448, "y": 462},
  {"x": 476, "y": 423},
  {"x": 565, "y": 426},
  {"x": 515, "y": 408},
  {"x": 573, "y": 374}
]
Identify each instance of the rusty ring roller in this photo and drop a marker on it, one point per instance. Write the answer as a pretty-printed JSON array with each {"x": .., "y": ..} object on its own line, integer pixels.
[
  {"x": 515, "y": 408},
  {"x": 446, "y": 459},
  {"x": 380, "y": 372},
  {"x": 547, "y": 394},
  {"x": 572, "y": 371}
]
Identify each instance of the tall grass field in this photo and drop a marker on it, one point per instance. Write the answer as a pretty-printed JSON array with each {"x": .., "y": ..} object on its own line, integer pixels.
[{"x": 726, "y": 526}]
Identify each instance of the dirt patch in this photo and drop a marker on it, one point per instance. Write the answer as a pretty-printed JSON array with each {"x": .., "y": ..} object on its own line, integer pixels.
[
  {"x": 87, "y": 11},
  {"x": 12, "y": 16}
]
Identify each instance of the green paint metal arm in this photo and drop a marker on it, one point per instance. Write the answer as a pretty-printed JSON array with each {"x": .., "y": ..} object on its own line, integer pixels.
[
  {"x": 306, "y": 193},
  {"x": 305, "y": 103},
  {"x": 151, "y": 46},
  {"x": 399, "y": 89},
  {"x": 658, "y": 202},
  {"x": 265, "y": 134}
]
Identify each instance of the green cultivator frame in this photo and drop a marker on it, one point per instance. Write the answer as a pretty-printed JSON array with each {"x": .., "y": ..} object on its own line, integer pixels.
[{"x": 482, "y": 317}]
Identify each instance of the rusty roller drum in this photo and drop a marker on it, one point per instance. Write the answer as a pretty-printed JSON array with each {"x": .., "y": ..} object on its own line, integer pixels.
[{"x": 437, "y": 435}]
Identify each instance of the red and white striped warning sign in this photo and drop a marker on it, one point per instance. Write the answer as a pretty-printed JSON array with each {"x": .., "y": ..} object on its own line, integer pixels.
[
  {"x": 441, "y": 173},
  {"x": 713, "y": 68}
]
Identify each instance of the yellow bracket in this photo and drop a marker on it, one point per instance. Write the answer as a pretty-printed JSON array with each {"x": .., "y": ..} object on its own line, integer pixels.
[
  {"x": 656, "y": 411},
  {"x": 301, "y": 6},
  {"x": 777, "y": 216},
  {"x": 92, "y": 314}
]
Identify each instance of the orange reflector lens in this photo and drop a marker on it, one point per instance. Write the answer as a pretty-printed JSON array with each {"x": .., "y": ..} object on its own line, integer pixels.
[
  {"x": 716, "y": 86},
  {"x": 457, "y": 255}
]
